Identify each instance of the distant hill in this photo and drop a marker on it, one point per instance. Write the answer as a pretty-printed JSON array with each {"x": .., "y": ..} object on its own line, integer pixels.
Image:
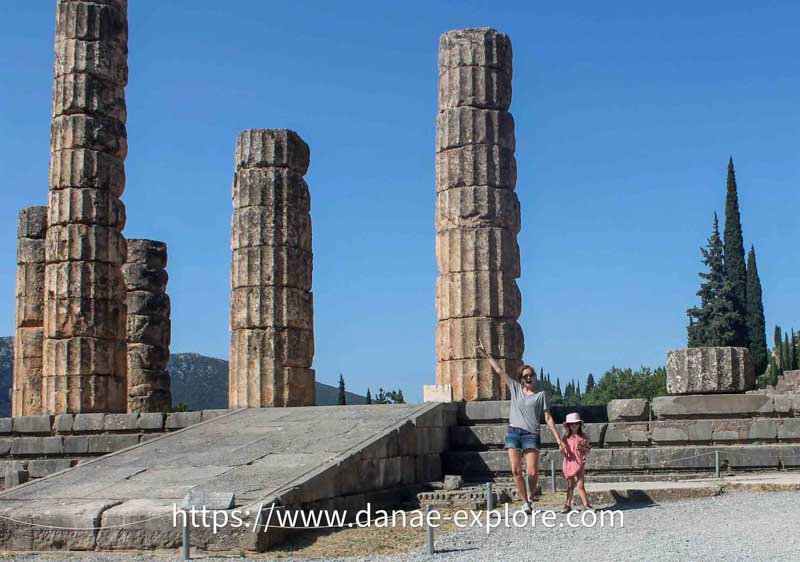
[{"x": 197, "y": 380}]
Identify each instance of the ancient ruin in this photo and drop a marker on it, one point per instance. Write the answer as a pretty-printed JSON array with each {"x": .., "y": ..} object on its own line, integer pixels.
[
  {"x": 149, "y": 328},
  {"x": 477, "y": 215},
  {"x": 84, "y": 309},
  {"x": 26, "y": 396},
  {"x": 272, "y": 328},
  {"x": 703, "y": 370}
]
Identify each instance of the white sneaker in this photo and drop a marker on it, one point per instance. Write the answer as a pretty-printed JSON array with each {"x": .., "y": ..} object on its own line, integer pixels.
[{"x": 527, "y": 508}]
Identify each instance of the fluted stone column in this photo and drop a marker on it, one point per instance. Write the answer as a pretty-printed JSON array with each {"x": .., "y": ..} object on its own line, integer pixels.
[
  {"x": 477, "y": 215},
  {"x": 26, "y": 397},
  {"x": 272, "y": 319},
  {"x": 84, "y": 320},
  {"x": 149, "y": 328}
]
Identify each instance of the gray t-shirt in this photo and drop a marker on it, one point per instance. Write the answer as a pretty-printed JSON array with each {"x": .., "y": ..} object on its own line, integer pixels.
[{"x": 527, "y": 410}]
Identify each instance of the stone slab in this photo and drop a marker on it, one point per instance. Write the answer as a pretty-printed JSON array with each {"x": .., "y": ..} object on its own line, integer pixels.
[
  {"x": 437, "y": 393},
  {"x": 712, "y": 406},
  {"x": 634, "y": 409},
  {"x": 699, "y": 370}
]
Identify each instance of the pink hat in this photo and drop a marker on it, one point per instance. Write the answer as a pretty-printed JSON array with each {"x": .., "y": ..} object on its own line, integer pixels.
[{"x": 573, "y": 418}]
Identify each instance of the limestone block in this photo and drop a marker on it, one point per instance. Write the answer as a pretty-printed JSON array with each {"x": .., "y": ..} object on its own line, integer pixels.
[
  {"x": 106, "y": 60},
  {"x": 62, "y": 423},
  {"x": 463, "y": 126},
  {"x": 85, "y": 423},
  {"x": 437, "y": 393},
  {"x": 103, "y": 444},
  {"x": 30, "y": 250},
  {"x": 474, "y": 86},
  {"x": 764, "y": 430},
  {"x": 474, "y": 379},
  {"x": 789, "y": 382},
  {"x": 142, "y": 277},
  {"x": 5, "y": 425},
  {"x": 712, "y": 406},
  {"x": 30, "y": 280},
  {"x": 101, "y": 133},
  {"x": 148, "y": 330},
  {"x": 274, "y": 188},
  {"x": 257, "y": 381},
  {"x": 634, "y": 409},
  {"x": 141, "y": 382},
  {"x": 789, "y": 429},
  {"x": 29, "y": 309},
  {"x": 473, "y": 165},
  {"x": 179, "y": 420},
  {"x": 148, "y": 252},
  {"x": 480, "y": 206},
  {"x": 258, "y": 148},
  {"x": 145, "y": 303},
  {"x": 477, "y": 293},
  {"x": 475, "y": 47},
  {"x": 120, "y": 422},
  {"x": 32, "y": 424},
  {"x": 662, "y": 433},
  {"x": 95, "y": 280},
  {"x": 84, "y": 356},
  {"x": 458, "y": 338},
  {"x": 260, "y": 226},
  {"x": 271, "y": 307},
  {"x": 478, "y": 249},
  {"x": 143, "y": 356},
  {"x": 84, "y": 393},
  {"x": 83, "y": 242},
  {"x": 91, "y": 21},
  {"x": 87, "y": 206},
  {"x": 83, "y": 168},
  {"x": 14, "y": 477},
  {"x": 289, "y": 347},
  {"x": 52, "y": 445},
  {"x": 32, "y": 222},
  {"x": 271, "y": 265},
  {"x": 626, "y": 434},
  {"x": 702, "y": 370},
  {"x": 84, "y": 93},
  {"x": 26, "y": 396},
  {"x": 151, "y": 421},
  {"x": 83, "y": 317},
  {"x": 39, "y": 468},
  {"x": 76, "y": 444}
]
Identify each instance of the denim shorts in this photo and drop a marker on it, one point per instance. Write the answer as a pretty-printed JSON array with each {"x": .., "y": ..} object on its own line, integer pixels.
[{"x": 521, "y": 439}]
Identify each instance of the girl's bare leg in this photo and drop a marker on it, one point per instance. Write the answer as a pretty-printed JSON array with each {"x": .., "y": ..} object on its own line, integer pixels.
[
  {"x": 570, "y": 490},
  {"x": 515, "y": 459},
  {"x": 581, "y": 477}
]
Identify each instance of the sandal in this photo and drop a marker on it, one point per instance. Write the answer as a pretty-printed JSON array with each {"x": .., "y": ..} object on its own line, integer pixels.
[{"x": 566, "y": 509}]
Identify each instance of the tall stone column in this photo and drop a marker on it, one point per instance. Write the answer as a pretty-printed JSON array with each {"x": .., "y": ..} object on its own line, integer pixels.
[
  {"x": 26, "y": 397},
  {"x": 272, "y": 319},
  {"x": 477, "y": 215},
  {"x": 149, "y": 328},
  {"x": 84, "y": 312}
]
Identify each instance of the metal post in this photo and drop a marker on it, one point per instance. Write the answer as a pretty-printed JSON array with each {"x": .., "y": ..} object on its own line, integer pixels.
[
  {"x": 186, "y": 538},
  {"x": 716, "y": 464},
  {"x": 429, "y": 529},
  {"x": 552, "y": 476},
  {"x": 489, "y": 498}
]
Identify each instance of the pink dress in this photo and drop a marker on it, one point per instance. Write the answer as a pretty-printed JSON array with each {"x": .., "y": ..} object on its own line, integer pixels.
[{"x": 576, "y": 449}]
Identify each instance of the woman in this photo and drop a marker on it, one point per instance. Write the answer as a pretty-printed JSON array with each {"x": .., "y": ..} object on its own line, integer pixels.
[{"x": 528, "y": 409}]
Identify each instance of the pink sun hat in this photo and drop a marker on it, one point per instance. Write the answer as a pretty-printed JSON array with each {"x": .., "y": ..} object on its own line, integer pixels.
[{"x": 573, "y": 418}]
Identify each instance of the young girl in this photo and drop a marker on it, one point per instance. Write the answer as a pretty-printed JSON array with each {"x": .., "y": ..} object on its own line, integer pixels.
[{"x": 576, "y": 448}]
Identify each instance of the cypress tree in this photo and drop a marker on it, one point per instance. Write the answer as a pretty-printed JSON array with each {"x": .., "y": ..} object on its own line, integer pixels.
[
  {"x": 578, "y": 391},
  {"x": 735, "y": 270},
  {"x": 369, "y": 397},
  {"x": 756, "y": 325},
  {"x": 558, "y": 388},
  {"x": 589, "y": 383},
  {"x": 342, "y": 395},
  {"x": 786, "y": 354}
]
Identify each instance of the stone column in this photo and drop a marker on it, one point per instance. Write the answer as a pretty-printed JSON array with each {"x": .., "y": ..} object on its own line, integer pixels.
[
  {"x": 84, "y": 320},
  {"x": 272, "y": 323},
  {"x": 477, "y": 215},
  {"x": 26, "y": 398},
  {"x": 149, "y": 327}
]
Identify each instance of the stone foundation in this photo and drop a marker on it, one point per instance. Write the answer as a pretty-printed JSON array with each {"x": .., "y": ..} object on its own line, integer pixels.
[{"x": 706, "y": 370}]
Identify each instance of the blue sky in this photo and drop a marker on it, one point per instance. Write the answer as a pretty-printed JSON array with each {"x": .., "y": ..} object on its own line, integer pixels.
[{"x": 626, "y": 113}]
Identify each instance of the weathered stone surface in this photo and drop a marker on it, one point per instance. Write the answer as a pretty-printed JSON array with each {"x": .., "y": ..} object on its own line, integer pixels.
[
  {"x": 477, "y": 207},
  {"x": 26, "y": 395},
  {"x": 82, "y": 317},
  {"x": 151, "y": 421},
  {"x": 62, "y": 423},
  {"x": 32, "y": 222},
  {"x": 458, "y": 338},
  {"x": 87, "y": 206},
  {"x": 464, "y": 126},
  {"x": 259, "y": 266},
  {"x": 289, "y": 347},
  {"x": 474, "y": 379},
  {"x": 789, "y": 381},
  {"x": 148, "y": 252},
  {"x": 105, "y": 60},
  {"x": 475, "y": 47},
  {"x": 271, "y": 307},
  {"x": 259, "y": 148},
  {"x": 84, "y": 242},
  {"x": 148, "y": 330},
  {"x": 142, "y": 277},
  {"x": 143, "y": 356},
  {"x": 279, "y": 189},
  {"x": 149, "y": 304},
  {"x": 84, "y": 356},
  {"x": 105, "y": 134},
  {"x": 475, "y": 86},
  {"x": 474, "y": 165},
  {"x": 84, "y": 93},
  {"x": 88, "y": 422},
  {"x": 32, "y": 424},
  {"x": 95, "y": 280},
  {"x": 477, "y": 249},
  {"x": 179, "y": 420},
  {"x": 712, "y": 406},
  {"x": 701, "y": 370},
  {"x": 82, "y": 393},
  {"x": 259, "y": 381},
  {"x": 260, "y": 226},
  {"x": 30, "y": 250},
  {"x": 91, "y": 21},
  {"x": 483, "y": 293},
  {"x": 84, "y": 168},
  {"x": 634, "y": 409}
]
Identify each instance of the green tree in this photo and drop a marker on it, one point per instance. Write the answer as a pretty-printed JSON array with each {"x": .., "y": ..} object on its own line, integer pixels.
[
  {"x": 558, "y": 388},
  {"x": 756, "y": 324},
  {"x": 735, "y": 269},
  {"x": 786, "y": 354},
  {"x": 626, "y": 383},
  {"x": 589, "y": 383},
  {"x": 390, "y": 397},
  {"x": 369, "y": 397},
  {"x": 342, "y": 394},
  {"x": 717, "y": 321}
]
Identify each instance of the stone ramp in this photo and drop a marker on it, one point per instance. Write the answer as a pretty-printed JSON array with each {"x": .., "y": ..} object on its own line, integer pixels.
[{"x": 294, "y": 458}]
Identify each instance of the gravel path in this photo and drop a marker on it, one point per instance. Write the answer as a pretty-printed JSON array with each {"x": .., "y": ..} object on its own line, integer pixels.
[{"x": 735, "y": 526}]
